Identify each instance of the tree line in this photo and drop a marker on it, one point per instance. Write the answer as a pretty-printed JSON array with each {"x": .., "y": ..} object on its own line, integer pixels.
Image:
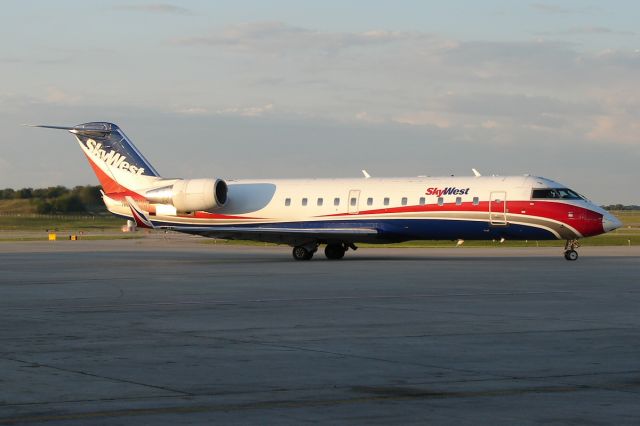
[
  {"x": 59, "y": 199},
  {"x": 87, "y": 199},
  {"x": 621, "y": 207}
]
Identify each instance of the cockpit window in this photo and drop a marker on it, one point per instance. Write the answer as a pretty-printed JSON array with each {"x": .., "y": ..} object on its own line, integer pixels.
[{"x": 555, "y": 193}]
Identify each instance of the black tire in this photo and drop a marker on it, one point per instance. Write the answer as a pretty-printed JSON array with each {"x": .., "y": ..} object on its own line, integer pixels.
[
  {"x": 334, "y": 251},
  {"x": 301, "y": 253},
  {"x": 571, "y": 255}
]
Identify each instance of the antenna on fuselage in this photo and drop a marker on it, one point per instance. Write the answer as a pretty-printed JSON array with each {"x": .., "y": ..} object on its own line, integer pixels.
[{"x": 476, "y": 173}]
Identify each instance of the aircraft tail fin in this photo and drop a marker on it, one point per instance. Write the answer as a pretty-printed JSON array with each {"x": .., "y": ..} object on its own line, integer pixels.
[{"x": 117, "y": 163}]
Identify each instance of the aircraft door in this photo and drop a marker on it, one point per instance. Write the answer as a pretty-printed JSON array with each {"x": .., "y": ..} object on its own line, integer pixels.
[
  {"x": 498, "y": 208},
  {"x": 354, "y": 201}
]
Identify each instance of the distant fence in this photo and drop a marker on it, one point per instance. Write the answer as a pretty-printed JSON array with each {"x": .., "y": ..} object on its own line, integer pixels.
[{"x": 53, "y": 216}]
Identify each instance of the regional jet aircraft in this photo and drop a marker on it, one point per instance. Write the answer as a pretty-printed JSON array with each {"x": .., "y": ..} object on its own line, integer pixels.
[{"x": 339, "y": 213}]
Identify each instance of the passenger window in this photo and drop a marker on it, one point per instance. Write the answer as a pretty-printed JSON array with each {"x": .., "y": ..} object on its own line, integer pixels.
[
  {"x": 440, "y": 201},
  {"x": 287, "y": 202},
  {"x": 386, "y": 201},
  {"x": 336, "y": 201},
  {"x": 422, "y": 201},
  {"x": 320, "y": 201},
  {"x": 404, "y": 201},
  {"x": 304, "y": 201},
  {"x": 476, "y": 201},
  {"x": 458, "y": 201},
  {"x": 353, "y": 201},
  {"x": 369, "y": 201}
]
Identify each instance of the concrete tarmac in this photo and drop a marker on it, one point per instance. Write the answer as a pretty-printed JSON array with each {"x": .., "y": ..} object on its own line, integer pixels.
[{"x": 174, "y": 331}]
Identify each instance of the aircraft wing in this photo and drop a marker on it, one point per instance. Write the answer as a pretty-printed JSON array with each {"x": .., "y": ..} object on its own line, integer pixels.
[
  {"x": 265, "y": 233},
  {"x": 277, "y": 234}
]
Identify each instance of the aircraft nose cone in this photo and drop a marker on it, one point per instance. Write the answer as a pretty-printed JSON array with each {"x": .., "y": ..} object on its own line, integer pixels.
[{"x": 610, "y": 222}]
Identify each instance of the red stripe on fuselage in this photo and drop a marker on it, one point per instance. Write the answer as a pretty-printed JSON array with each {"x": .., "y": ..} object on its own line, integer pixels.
[{"x": 584, "y": 220}]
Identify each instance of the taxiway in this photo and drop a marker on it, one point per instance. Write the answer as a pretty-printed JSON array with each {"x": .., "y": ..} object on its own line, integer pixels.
[{"x": 175, "y": 331}]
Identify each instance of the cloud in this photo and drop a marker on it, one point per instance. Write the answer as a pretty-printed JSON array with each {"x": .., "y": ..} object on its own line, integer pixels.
[
  {"x": 52, "y": 96},
  {"x": 367, "y": 118},
  {"x": 620, "y": 128},
  {"x": 10, "y": 102},
  {"x": 55, "y": 95},
  {"x": 273, "y": 36},
  {"x": 490, "y": 124},
  {"x": 513, "y": 105},
  {"x": 11, "y": 60},
  {"x": 159, "y": 8},
  {"x": 193, "y": 111},
  {"x": 498, "y": 88},
  {"x": 399, "y": 54},
  {"x": 57, "y": 60},
  {"x": 252, "y": 111},
  {"x": 554, "y": 9},
  {"x": 423, "y": 81},
  {"x": 424, "y": 118},
  {"x": 588, "y": 30},
  {"x": 246, "y": 111},
  {"x": 509, "y": 52},
  {"x": 616, "y": 58},
  {"x": 619, "y": 120}
]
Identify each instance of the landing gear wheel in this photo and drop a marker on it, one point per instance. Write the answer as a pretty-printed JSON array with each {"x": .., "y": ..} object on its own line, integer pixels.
[
  {"x": 571, "y": 255},
  {"x": 334, "y": 251},
  {"x": 302, "y": 253},
  {"x": 570, "y": 252}
]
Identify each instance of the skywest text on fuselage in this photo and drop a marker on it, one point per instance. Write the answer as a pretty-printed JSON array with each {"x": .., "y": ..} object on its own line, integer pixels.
[{"x": 447, "y": 191}]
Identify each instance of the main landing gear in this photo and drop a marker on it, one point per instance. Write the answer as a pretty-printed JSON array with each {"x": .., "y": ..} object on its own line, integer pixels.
[
  {"x": 569, "y": 250},
  {"x": 304, "y": 252},
  {"x": 333, "y": 251}
]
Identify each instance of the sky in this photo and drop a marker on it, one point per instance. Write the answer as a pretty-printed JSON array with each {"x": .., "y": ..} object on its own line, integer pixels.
[{"x": 301, "y": 89}]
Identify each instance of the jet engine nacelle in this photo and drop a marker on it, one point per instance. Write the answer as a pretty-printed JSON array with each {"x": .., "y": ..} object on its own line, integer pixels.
[{"x": 190, "y": 195}]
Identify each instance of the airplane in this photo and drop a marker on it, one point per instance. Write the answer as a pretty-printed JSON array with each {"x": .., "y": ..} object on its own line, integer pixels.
[{"x": 337, "y": 213}]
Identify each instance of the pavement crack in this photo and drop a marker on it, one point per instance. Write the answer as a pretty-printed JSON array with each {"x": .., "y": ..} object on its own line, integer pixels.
[
  {"x": 335, "y": 353},
  {"x": 97, "y": 376}
]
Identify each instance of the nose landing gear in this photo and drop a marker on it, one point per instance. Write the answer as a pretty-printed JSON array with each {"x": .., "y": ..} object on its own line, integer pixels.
[{"x": 569, "y": 250}]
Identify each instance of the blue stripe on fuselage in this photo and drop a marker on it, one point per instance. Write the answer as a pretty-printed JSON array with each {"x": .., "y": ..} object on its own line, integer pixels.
[{"x": 409, "y": 229}]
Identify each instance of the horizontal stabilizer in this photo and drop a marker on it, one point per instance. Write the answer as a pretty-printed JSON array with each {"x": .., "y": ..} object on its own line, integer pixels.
[
  {"x": 82, "y": 129},
  {"x": 49, "y": 127}
]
